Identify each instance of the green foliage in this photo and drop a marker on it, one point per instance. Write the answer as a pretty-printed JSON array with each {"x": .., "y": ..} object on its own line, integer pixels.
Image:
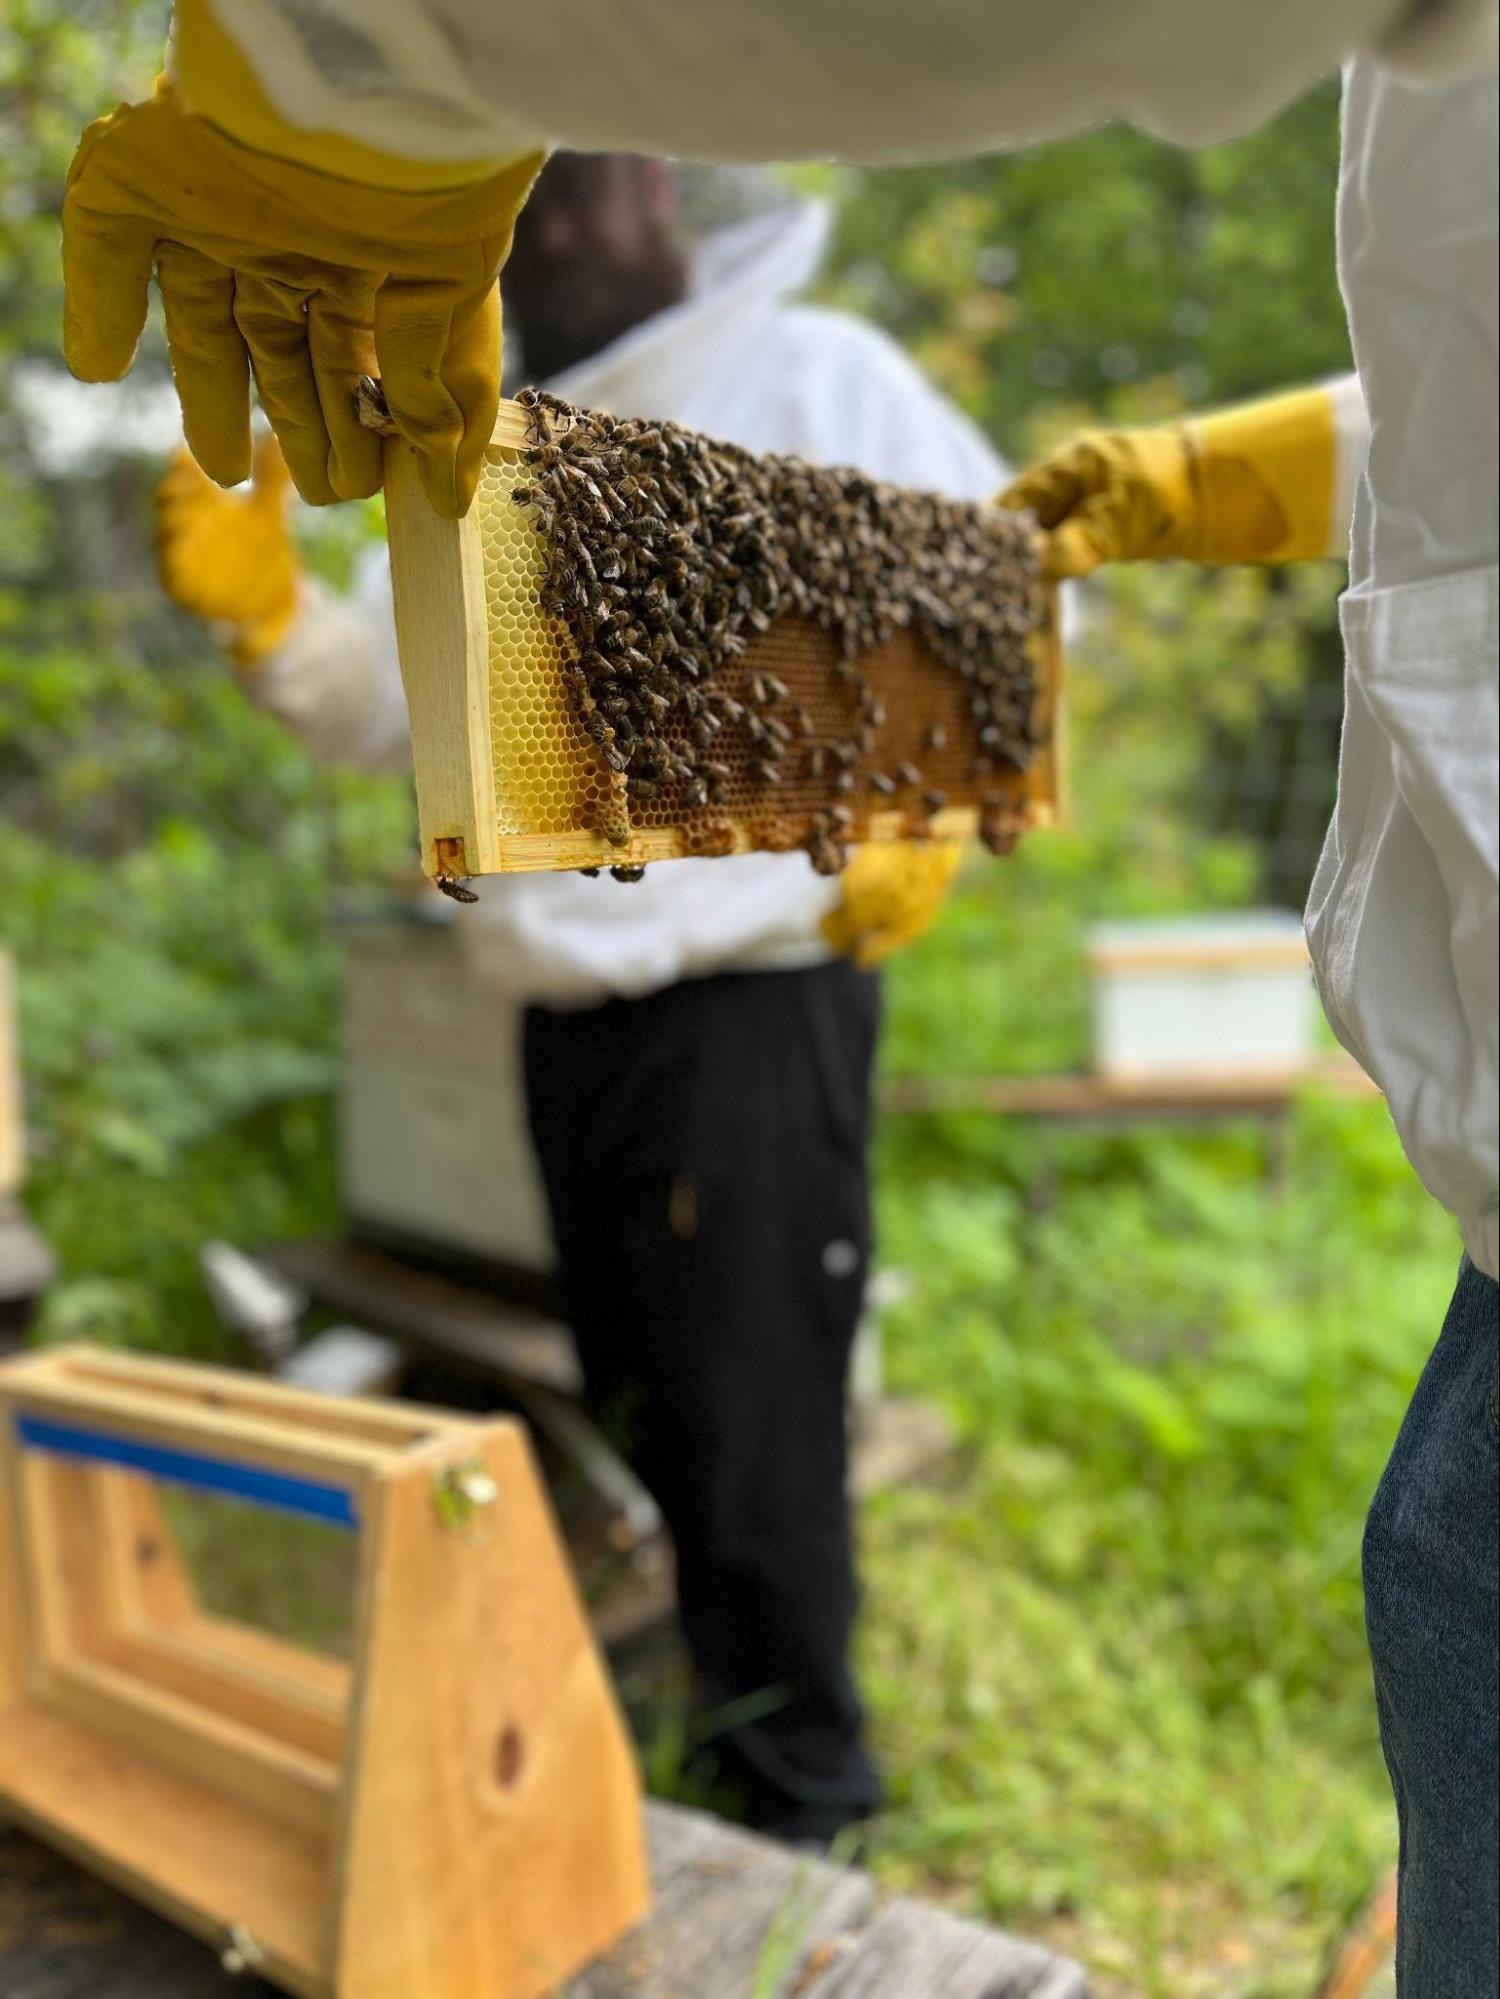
[
  {"x": 1106, "y": 273},
  {"x": 1118, "y": 1655},
  {"x": 165, "y": 882}
]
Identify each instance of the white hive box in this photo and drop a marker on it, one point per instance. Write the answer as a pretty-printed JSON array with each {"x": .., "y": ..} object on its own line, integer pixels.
[
  {"x": 434, "y": 1146},
  {"x": 1204, "y": 996}
]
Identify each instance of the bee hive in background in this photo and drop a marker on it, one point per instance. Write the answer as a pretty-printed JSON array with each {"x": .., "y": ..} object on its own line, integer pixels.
[{"x": 640, "y": 644}]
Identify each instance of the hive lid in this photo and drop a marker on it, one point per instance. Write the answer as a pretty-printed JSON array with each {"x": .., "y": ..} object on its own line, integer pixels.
[{"x": 1214, "y": 941}]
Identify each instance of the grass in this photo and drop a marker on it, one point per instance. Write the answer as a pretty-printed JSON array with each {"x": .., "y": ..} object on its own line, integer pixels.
[{"x": 1116, "y": 1657}]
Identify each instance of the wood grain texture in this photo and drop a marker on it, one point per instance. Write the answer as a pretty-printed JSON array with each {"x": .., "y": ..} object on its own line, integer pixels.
[
  {"x": 491, "y": 1838},
  {"x": 1211, "y": 1093},
  {"x": 176, "y": 1845},
  {"x": 13, "y": 1617},
  {"x": 520, "y": 853},
  {"x": 927, "y": 1954},
  {"x": 140, "y": 1549},
  {"x": 718, "y": 1892},
  {"x": 442, "y": 636},
  {"x": 391, "y": 1425}
]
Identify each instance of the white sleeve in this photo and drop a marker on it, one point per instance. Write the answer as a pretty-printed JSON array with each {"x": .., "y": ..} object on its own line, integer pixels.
[
  {"x": 1351, "y": 445},
  {"x": 335, "y": 679},
  {"x": 793, "y": 79}
]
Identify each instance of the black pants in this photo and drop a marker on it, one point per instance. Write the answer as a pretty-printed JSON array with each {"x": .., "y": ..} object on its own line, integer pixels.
[{"x": 704, "y": 1155}]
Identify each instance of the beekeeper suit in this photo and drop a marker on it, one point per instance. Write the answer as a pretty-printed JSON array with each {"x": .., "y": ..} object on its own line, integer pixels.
[
  {"x": 1403, "y": 915},
  {"x": 698, "y": 1047}
]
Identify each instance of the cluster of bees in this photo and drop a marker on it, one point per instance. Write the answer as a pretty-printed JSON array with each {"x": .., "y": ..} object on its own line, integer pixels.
[{"x": 670, "y": 553}]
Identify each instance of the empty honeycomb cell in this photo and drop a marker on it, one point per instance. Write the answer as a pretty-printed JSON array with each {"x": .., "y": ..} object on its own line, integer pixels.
[{"x": 548, "y": 775}]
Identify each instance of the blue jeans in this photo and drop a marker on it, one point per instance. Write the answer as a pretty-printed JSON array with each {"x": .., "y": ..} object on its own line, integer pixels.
[{"x": 1430, "y": 1556}]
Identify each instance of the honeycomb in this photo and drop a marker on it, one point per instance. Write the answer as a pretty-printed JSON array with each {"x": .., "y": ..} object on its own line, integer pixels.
[
  {"x": 549, "y": 777},
  {"x": 557, "y": 799}
]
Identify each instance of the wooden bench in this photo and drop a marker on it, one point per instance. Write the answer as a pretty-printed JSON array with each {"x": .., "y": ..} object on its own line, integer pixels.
[{"x": 735, "y": 1917}]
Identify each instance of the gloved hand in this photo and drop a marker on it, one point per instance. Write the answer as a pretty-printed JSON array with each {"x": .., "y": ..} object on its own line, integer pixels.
[
  {"x": 1251, "y": 484},
  {"x": 307, "y": 278},
  {"x": 229, "y": 557},
  {"x": 892, "y": 892}
]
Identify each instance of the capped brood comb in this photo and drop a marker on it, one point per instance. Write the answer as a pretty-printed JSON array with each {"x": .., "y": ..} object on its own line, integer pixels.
[{"x": 641, "y": 644}]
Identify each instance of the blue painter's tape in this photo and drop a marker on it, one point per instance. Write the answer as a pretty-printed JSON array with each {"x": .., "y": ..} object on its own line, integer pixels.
[{"x": 307, "y": 1496}]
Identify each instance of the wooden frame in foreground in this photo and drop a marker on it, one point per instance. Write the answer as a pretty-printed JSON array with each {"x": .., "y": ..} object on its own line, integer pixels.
[{"x": 455, "y": 1813}]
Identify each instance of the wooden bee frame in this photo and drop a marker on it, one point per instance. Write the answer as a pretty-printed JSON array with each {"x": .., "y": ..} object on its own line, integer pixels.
[
  {"x": 456, "y": 1813},
  {"x": 508, "y": 780}
]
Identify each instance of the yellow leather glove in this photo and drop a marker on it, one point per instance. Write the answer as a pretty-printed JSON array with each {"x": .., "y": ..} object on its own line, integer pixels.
[
  {"x": 892, "y": 892},
  {"x": 1250, "y": 484},
  {"x": 229, "y": 557},
  {"x": 305, "y": 277}
]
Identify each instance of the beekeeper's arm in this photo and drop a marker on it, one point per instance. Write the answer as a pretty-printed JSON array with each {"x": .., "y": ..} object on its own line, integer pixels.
[
  {"x": 1270, "y": 481},
  {"x": 324, "y": 665},
  {"x": 326, "y": 191}
]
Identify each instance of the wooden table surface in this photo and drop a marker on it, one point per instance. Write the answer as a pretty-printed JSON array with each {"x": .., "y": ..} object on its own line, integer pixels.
[{"x": 735, "y": 1917}]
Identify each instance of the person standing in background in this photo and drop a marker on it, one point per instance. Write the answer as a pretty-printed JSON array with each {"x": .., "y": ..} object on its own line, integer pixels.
[{"x": 698, "y": 1045}]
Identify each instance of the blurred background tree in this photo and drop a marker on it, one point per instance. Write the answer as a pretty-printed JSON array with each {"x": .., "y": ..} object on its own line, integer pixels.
[{"x": 1116, "y": 1654}]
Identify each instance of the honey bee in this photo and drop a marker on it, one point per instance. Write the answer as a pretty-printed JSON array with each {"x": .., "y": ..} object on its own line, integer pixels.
[
  {"x": 668, "y": 553},
  {"x": 455, "y": 889}
]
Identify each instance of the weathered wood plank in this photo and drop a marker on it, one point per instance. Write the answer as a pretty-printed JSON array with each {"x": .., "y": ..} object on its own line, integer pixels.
[
  {"x": 1090, "y": 1097},
  {"x": 922, "y": 1953},
  {"x": 726, "y": 1906},
  {"x": 64, "y": 1935},
  {"x": 734, "y": 1917}
]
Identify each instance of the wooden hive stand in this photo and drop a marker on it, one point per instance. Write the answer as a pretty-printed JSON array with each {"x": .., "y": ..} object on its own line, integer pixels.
[{"x": 454, "y": 1815}]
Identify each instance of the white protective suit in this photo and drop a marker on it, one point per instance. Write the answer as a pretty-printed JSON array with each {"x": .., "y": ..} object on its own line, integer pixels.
[
  {"x": 739, "y": 361},
  {"x": 1403, "y": 916}
]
